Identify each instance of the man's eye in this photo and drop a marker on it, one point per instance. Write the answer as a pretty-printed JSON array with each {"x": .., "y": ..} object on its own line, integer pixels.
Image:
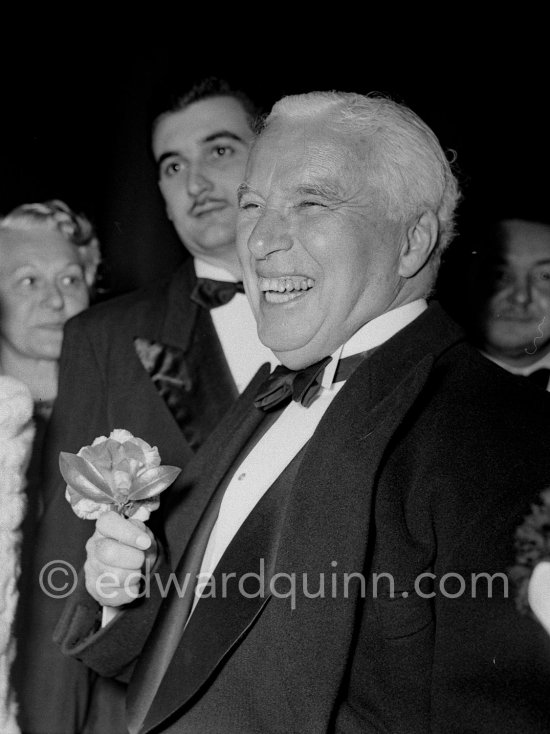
[
  {"x": 222, "y": 151},
  {"x": 171, "y": 169},
  {"x": 543, "y": 275},
  {"x": 29, "y": 281},
  {"x": 308, "y": 203}
]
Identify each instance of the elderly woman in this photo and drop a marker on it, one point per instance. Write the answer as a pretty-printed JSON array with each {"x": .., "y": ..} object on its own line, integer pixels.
[
  {"x": 48, "y": 263},
  {"x": 48, "y": 260},
  {"x": 49, "y": 257}
]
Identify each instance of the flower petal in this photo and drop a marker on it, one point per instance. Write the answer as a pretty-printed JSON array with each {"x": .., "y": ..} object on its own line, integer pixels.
[
  {"x": 87, "y": 509},
  {"x": 151, "y": 453},
  {"x": 153, "y": 482},
  {"x": 133, "y": 450},
  {"x": 84, "y": 478},
  {"x": 97, "y": 454},
  {"x": 121, "y": 435}
]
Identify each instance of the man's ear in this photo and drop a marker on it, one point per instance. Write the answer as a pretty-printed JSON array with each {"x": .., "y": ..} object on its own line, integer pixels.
[{"x": 420, "y": 240}]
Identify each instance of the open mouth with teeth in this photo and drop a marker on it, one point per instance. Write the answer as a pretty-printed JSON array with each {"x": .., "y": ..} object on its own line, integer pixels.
[{"x": 285, "y": 288}]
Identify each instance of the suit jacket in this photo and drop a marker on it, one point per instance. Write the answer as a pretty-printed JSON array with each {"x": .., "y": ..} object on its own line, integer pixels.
[
  {"x": 149, "y": 362},
  {"x": 412, "y": 485}
]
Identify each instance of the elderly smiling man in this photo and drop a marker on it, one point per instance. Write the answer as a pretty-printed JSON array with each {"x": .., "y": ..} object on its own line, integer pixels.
[{"x": 354, "y": 513}]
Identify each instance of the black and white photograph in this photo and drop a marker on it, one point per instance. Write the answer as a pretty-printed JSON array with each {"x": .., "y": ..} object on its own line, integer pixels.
[{"x": 274, "y": 377}]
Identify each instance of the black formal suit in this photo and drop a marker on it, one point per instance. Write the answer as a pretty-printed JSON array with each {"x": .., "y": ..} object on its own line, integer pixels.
[
  {"x": 424, "y": 463},
  {"x": 149, "y": 362}
]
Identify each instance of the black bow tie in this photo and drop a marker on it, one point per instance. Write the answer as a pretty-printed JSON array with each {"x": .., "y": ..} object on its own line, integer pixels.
[
  {"x": 211, "y": 293},
  {"x": 284, "y": 384},
  {"x": 540, "y": 377}
]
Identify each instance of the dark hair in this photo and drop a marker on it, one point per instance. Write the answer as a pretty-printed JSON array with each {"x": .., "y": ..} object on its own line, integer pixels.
[{"x": 177, "y": 100}]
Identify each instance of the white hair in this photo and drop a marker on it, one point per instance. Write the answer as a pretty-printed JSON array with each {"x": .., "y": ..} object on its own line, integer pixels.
[
  {"x": 410, "y": 168},
  {"x": 75, "y": 228}
]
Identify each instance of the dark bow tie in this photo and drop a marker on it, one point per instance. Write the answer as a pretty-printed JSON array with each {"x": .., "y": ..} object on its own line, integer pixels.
[
  {"x": 285, "y": 384},
  {"x": 540, "y": 377},
  {"x": 211, "y": 293}
]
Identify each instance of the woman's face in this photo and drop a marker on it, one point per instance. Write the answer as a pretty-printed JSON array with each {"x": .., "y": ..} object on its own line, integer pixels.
[{"x": 41, "y": 286}]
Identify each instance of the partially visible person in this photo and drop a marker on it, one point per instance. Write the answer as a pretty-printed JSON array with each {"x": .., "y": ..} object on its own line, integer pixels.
[
  {"x": 165, "y": 363},
  {"x": 16, "y": 435},
  {"x": 48, "y": 261},
  {"x": 509, "y": 298},
  {"x": 49, "y": 257}
]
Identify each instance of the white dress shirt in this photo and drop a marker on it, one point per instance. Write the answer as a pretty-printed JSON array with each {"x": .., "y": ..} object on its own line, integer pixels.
[
  {"x": 236, "y": 329},
  {"x": 289, "y": 434}
]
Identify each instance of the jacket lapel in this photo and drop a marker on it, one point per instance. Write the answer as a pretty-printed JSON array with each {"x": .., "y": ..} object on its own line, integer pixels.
[
  {"x": 209, "y": 466},
  {"x": 206, "y": 642},
  {"x": 170, "y": 321},
  {"x": 325, "y": 527},
  {"x": 329, "y": 532},
  {"x": 329, "y": 516},
  {"x": 184, "y": 511},
  {"x": 185, "y": 364},
  {"x": 181, "y": 313}
]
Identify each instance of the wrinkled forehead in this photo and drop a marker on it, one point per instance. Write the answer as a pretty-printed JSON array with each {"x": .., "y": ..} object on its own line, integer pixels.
[{"x": 295, "y": 152}]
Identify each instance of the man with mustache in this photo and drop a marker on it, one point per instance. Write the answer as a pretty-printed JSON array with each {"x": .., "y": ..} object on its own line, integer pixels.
[
  {"x": 165, "y": 362},
  {"x": 510, "y": 312},
  {"x": 350, "y": 522}
]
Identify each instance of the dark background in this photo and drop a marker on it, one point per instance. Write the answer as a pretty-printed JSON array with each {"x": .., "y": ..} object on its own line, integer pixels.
[{"x": 74, "y": 117}]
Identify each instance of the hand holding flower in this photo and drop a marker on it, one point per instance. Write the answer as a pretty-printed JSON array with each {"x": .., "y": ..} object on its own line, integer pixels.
[
  {"x": 116, "y": 554},
  {"x": 120, "y": 473},
  {"x": 116, "y": 478}
]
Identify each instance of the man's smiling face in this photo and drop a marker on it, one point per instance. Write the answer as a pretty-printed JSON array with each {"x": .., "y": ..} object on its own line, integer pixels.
[{"x": 320, "y": 257}]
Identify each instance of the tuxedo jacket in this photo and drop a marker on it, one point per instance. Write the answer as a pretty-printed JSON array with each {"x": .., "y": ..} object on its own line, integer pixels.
[
  {"x": 149, "y": 362},
  {"x": 413, "y": 482}
]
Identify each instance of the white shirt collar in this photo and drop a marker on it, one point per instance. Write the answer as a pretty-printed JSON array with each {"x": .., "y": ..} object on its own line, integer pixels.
[
  {"x": 542, "y": 362},
  {"x": 374, "y": 333},
  {"x": 207, "y": 270}
]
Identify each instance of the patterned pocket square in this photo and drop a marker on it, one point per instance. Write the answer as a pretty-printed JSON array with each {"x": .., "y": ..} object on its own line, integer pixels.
[
  {"x": 169, "y": 373},
  {"x": 166, "y": 365}
]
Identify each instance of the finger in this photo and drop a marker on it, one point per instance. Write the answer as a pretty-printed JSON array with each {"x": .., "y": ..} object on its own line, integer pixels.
[
  {"x": 112, "y": 525},
  {"x": 112, "y": 577},
  {"x": 109, "y": 552},
  {"x": 107, "y": 589}
]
